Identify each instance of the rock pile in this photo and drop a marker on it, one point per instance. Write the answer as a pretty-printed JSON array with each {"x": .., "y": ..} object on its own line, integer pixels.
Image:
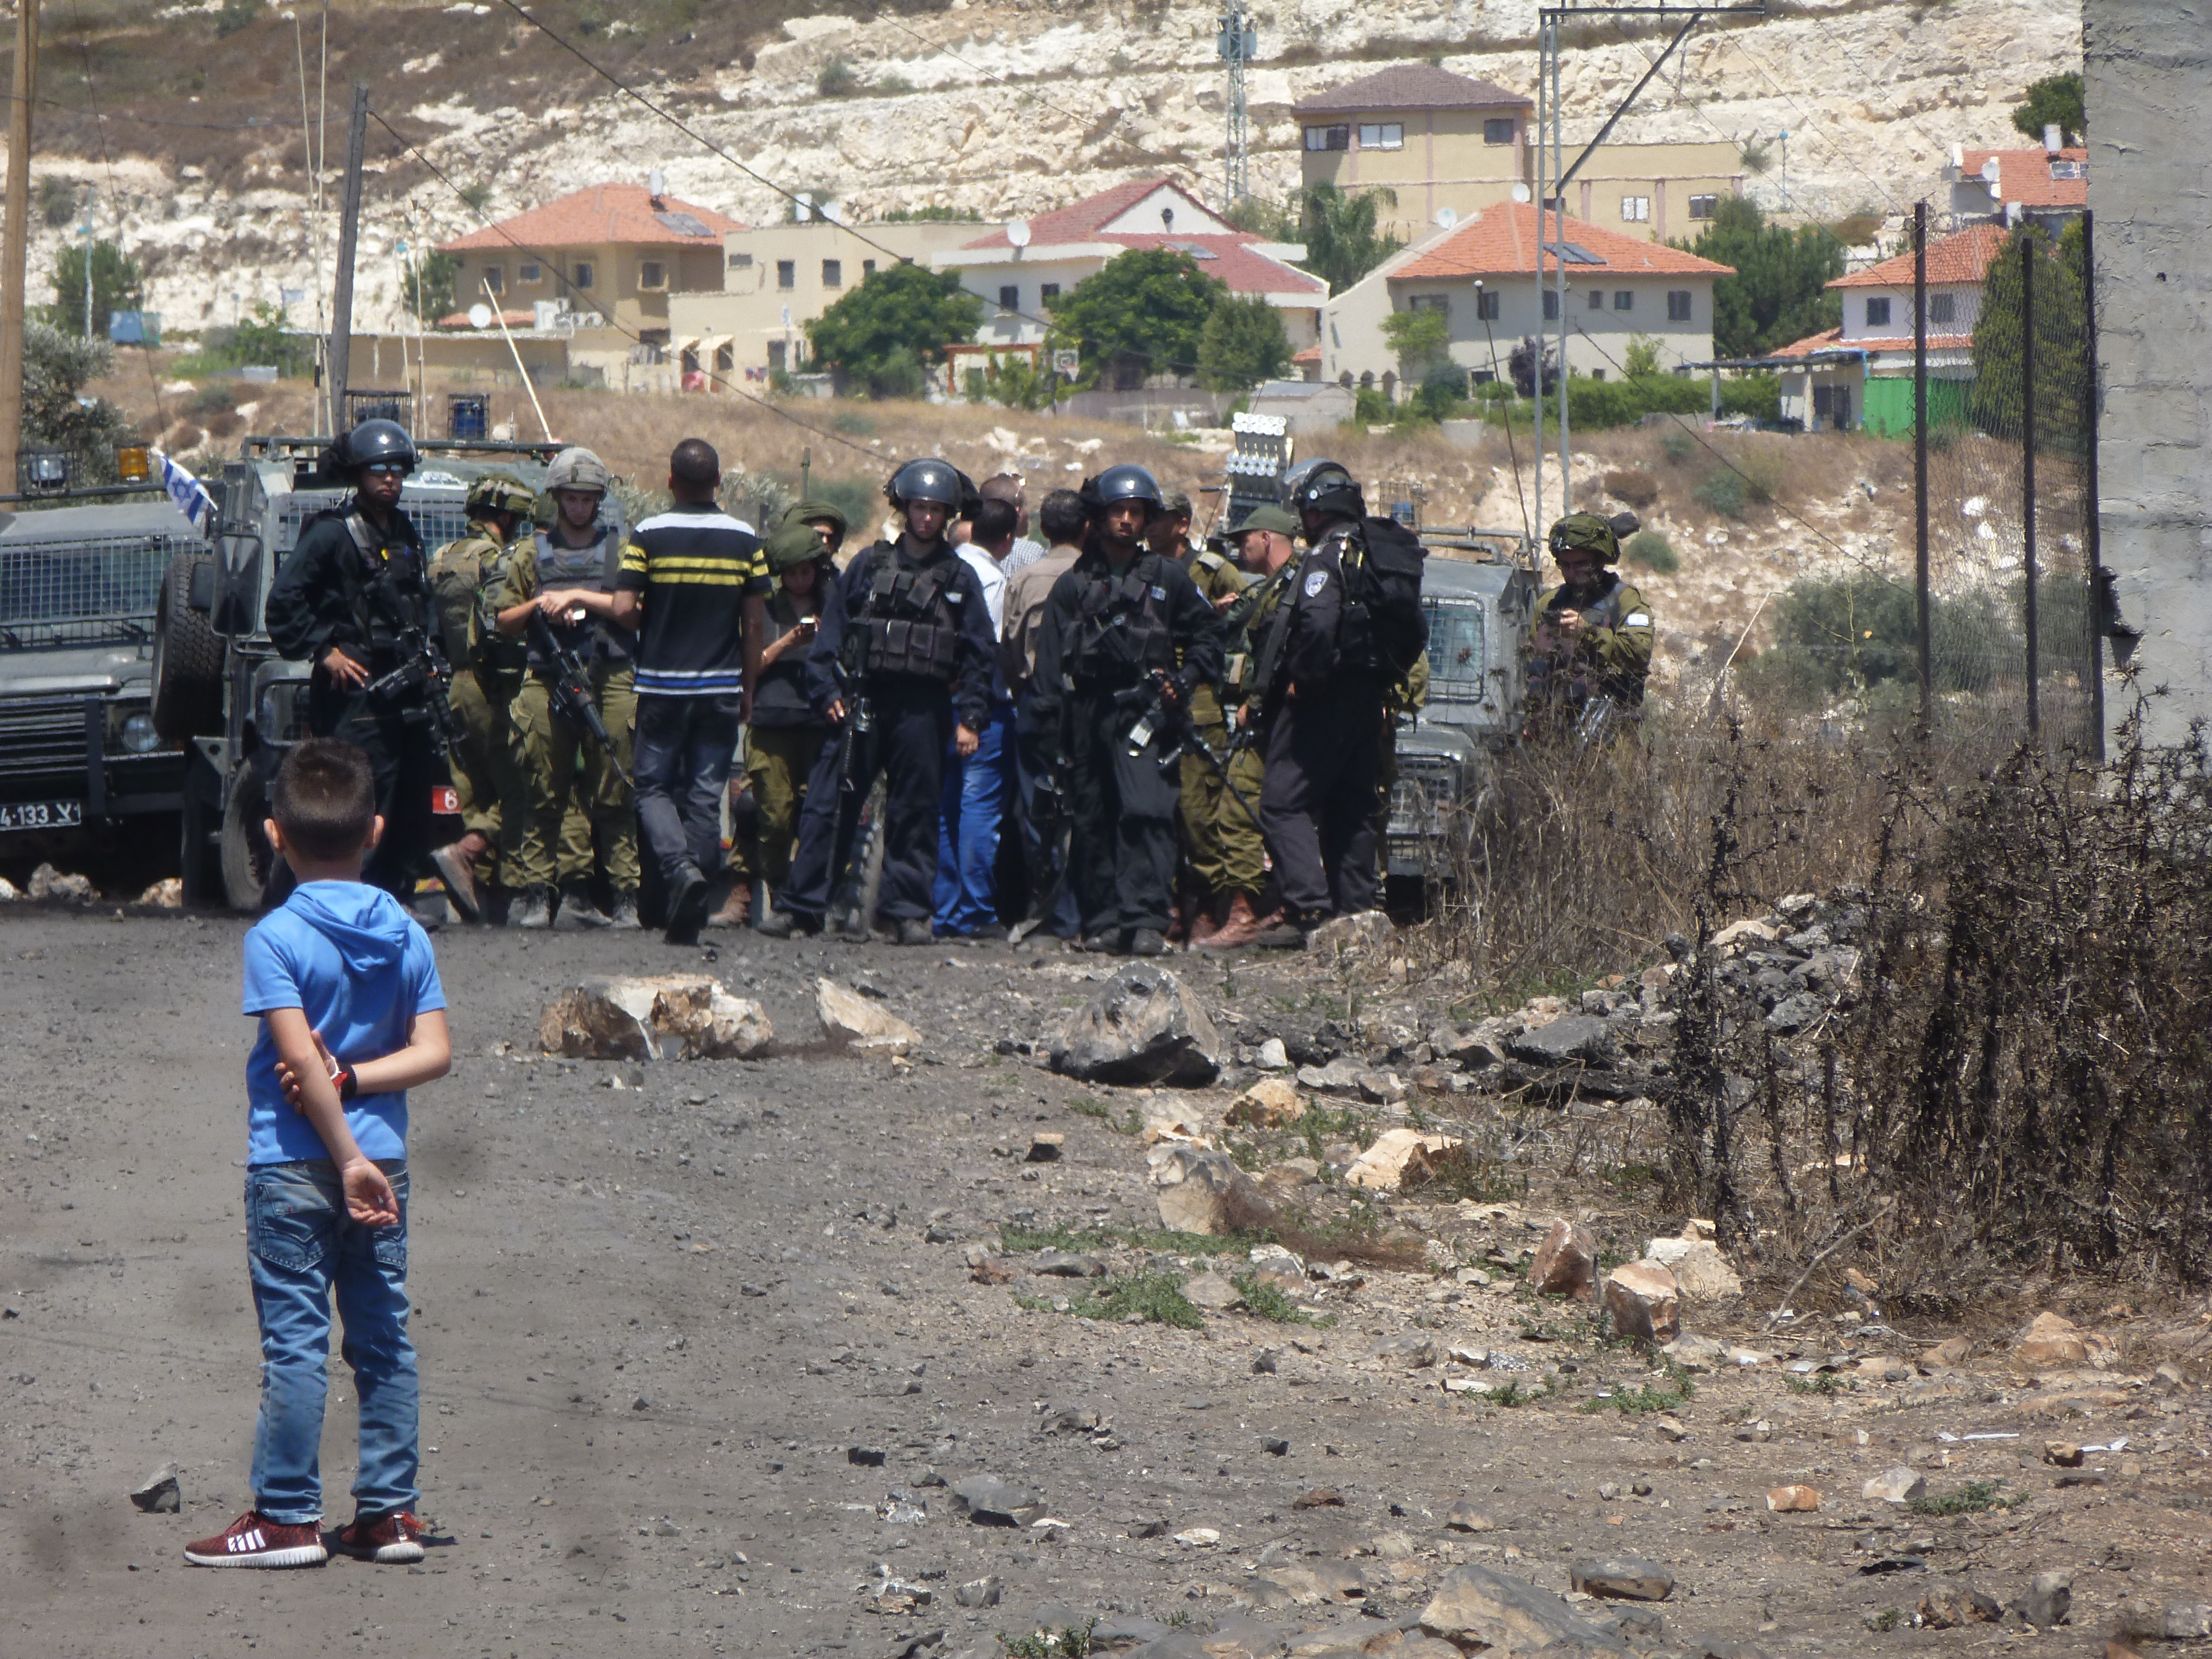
[{"x": 661, "y": 1017}]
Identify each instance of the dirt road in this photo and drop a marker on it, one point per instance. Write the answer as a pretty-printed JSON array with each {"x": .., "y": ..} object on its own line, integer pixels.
[{"x": 693, "y": 1367}]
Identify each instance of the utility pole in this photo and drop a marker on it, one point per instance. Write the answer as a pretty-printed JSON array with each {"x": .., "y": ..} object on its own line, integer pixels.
[
  {"x": 341, "y": 346},
  {"x": 1237, "y": 44},
  {"x": 17, "y": 246}
]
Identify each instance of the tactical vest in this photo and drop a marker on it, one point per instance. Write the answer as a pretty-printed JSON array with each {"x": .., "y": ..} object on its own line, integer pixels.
[
  {"x": 395, "y": 590},
  {"x": 1264, "y": 619},
  {"x": 464, "y": 575},
  {"x": 1579, "y": 668},
  {"x": 906, "y": 621},
  {"x": 593, "y": 569},
  {"x": 1120, "y": 632}
]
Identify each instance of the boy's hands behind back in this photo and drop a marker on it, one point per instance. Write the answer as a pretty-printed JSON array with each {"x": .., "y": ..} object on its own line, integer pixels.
[
  {"x": 368, "y": 1195},
  {"x": 290, "y": 1080}
]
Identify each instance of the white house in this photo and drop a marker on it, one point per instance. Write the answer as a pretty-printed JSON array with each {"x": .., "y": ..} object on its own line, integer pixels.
[
  {"x": 1860, "y": 374},
  {"x": 1482, "y": 276},
  {"x": 1017, "y": 268}
]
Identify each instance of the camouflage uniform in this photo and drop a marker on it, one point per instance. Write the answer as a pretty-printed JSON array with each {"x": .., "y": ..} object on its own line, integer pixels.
[
  {"x": 1610, "y": 655},
  {"x": 1222, "y": 844},
  {"x": 1409, "y": 696}
]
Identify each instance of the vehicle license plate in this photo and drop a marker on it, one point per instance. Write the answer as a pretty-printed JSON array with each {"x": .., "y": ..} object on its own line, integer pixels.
[{"x": 42, "y": 815}]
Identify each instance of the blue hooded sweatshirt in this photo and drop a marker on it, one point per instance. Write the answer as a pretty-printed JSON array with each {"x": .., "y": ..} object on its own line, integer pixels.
[{"x": 360, "y": 968}]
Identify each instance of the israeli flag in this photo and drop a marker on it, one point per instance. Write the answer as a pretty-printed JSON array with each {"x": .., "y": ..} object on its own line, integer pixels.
[{"x": 190, "y": 494}]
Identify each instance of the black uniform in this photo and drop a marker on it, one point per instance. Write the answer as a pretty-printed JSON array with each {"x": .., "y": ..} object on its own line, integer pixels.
[
  {"x": 1105, "y": 636},
  {"x": 366, "y": 592},
  {"x": 912, "y": 633},
  {"x": 1324, "y": 715}
]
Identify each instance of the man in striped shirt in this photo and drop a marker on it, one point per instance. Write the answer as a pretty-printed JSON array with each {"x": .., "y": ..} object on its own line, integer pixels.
[{"x": 695, "y": 579}]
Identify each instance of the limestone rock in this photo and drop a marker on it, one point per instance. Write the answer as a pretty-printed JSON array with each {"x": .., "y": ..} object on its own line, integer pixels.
[
  {"x": 1212, "y": 1291},
  {"x": 160, "y": 1493},
  {"x": 1947, "y": 1606},
  {"x": 1565, "y": 1261},
  {"x": 1645, "y": 1303},
  {"x": 48, "y": 883},
  {"x": 2052, "y": 1340},
  {"x": 1468, "y": 1515},
  {"x": 167, "y": 894},
  {"x": 1395, "y": 1155},
  {"x": 1895, "y": 1485},
  {"x": 990, "y": 1502},
  {"x": 1627, "y": 1578},
  {"x": 1737, "y": 932},
  {"x": 1701, "y": 1272},
  {"x": 656, "y": 1017},
  {"x": 1202, "y": 1191},
  {"x": 1363, "y": 930},
  {"x": 1142, "y": 1028},
  {"x": 1269, "y": 1103},
  {"x": 1793, "y": 1500},
  {"x": 2046, "y": 1602},
  {"x": 850, "y": 1019},
  {"x": 1574, "y": 1038},
  {"x": 1475, "y": 1608}
]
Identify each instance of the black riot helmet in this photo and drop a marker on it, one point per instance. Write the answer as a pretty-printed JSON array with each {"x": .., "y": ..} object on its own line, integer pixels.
[
  {"x": 377, "y": 443},
  {"x": 1327, "y": 488},
  {"x": 929, "y": 480},
  {"x": 1116, "y": 484}
]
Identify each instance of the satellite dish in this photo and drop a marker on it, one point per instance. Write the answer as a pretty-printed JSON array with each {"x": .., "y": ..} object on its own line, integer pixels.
[
  {"x": 1520, "y": 192},
  {"x": 1990, "y": 171},
  {"x": 1446, "y": 218},
  {"x": 1018, "y": 231},
  {"x": 480, "y": 315},
  {"x": 833, "y": 212}
]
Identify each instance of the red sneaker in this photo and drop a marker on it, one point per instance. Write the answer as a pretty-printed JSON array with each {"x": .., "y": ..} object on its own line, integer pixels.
[
  {"x": 254, "y": 1540},
  {"x": 394, "y": 1537}
]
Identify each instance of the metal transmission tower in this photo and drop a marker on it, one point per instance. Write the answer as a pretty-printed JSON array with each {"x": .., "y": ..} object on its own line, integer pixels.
[
  {"x": 1553, "y": 174},
  {"x": 1238, "y": 43}
]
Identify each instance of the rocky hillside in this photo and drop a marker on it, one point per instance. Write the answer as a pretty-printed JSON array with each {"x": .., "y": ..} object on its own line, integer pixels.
[{"x": 190, "y": 140}]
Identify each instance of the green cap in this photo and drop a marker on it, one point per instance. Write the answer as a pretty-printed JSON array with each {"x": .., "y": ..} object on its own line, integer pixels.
[
  {"x": 1175, "y": 501},
  {"x": 1276, "y": 519},
  {"x": 794, "y": 545},
  {"x": 810, "y": 509},
  {"x": 1589, "y": 533}
]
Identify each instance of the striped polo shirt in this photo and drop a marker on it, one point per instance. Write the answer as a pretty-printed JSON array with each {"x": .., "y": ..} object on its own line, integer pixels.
[{"x": 694, "y": 567}]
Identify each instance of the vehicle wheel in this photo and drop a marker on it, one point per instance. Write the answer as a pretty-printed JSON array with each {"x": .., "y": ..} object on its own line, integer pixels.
[
  {"x": 246, "y": 857},
  {"x": 188, "y": 657}
]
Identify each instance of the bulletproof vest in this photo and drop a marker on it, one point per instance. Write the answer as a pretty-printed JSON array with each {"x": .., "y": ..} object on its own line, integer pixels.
[
  {"x": 905, "y": 622},
  {"x": 594, "y": 568},
  {"x": 1263, "y": 614},
  {"x": 1120, "y": 632},
  {"x": 395, "y": 590},
  {"x": 463, "y": 578}
]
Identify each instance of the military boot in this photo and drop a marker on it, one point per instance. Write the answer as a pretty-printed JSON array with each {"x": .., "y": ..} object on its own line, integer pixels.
[
  {"x": 577, "y": 911},
  {"x": 533, "y": 908},
  {"x": 626, "y": 918},
  {"x": 1241, "y": 929}
]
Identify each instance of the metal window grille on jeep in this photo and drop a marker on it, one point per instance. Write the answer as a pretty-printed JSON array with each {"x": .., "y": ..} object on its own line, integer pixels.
[
  {"x": 80, "y": 592},
  {"x": 41, "y": 734}
]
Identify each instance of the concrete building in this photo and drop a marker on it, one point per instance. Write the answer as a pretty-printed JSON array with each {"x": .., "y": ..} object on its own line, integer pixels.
[
  {"x": 2142, "y": 65},
  {"x": 2045, "y": 184},
  {"x": 1055, "y": 252},
  {"x": 1860, "y": 374},
  {"x": 775, "y": 279},
  {"x": 1482, "y": 276},
  {"x": 1440, "y": 140},
  {"x": 598, "y": 265}
]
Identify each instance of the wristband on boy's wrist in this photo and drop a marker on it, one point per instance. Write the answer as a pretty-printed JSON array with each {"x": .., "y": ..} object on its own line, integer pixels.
[{"x": 349, "y": 1083}]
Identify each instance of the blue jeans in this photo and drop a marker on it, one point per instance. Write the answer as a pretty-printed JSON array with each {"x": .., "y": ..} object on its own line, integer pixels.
[
  {"x": 682, "y": 760},
  {"x": 301, "y": 1246},
  {"x": 970, "y": 809}
]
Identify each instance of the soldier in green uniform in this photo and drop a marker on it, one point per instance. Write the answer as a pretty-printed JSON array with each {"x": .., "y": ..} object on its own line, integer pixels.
[
  {"x": 1407, "y": 698},
  {"x": 568, "y": 574},
  {"x": 1593, "y": 635},
  {"x": 1221, "y": 845},
  {"x": 1266, "y": 544},
  {"x": 487, "y": 672},
  {"x": 825, "y": 518}
]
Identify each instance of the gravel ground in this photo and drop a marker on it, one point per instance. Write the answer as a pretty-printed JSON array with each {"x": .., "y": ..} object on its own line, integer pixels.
[{"x": 687, "y": 1351}]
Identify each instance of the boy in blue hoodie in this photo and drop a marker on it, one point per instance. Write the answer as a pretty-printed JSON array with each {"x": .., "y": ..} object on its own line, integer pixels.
[{"x": 352, "y": 1016}]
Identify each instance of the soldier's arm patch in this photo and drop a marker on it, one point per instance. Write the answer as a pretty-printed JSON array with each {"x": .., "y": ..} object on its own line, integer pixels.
[
  {"x": 1637, "y": 619},
  {"x": 1316, "y": 581}
]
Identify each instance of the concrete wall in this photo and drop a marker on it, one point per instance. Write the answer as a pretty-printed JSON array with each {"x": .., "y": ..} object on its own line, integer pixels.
[{"x": 2146, "y": 66}]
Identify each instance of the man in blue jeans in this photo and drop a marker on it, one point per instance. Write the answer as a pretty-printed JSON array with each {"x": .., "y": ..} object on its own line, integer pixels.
[
  {"x": 966, "y": 895},
  {"x": 352, "y": 1016},
  {"x": 698, "y": 577}
]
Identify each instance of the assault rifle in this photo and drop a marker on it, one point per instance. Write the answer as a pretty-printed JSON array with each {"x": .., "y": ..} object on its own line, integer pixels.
[
  {"x": 571, "y": 685},
  {"x": 424, "y": 680},
  {"x": 1160, "y": 716},
  {"x": 848, "y": 886}
]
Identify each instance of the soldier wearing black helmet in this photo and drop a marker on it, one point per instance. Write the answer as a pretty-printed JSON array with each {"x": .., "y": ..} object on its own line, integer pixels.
[
  {"x": 354, "y": 599},
  {"x": 1126, "y": 638},
  {"x": 1593, "y": 633},
  {"x": 1331, "y": 651},
  {"x": 488, "y": 669},
  {"x": 905, "y": 639}
]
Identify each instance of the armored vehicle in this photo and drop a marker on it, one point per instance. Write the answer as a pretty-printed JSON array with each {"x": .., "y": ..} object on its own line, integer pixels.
[
  {"x": 1480, "y": 592},
  {"x": 220, "y": 684},
  {"x": 80, "y": 590}
]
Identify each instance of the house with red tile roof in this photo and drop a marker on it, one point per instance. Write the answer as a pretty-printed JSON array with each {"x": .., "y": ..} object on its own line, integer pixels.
[
  {"x": 1019, "y": 268},
  {"x": 1482, "y": 276},
  {"x": 2051, "y": 182},
  {"x": 1860, "y": 374},
  {"x": 602, "y": 261}
]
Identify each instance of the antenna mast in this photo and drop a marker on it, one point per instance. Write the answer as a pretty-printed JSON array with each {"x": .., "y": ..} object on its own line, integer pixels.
[{"x": 1237, "y": 43}]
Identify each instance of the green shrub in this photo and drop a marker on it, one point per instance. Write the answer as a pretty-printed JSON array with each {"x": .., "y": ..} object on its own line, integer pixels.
[
  {"x": 1757, "y": 396},
  {"x": 1859, "y": 634},
  {"x": 1676, "y": 444},
  {"x": 1722, "y": 491},
  {"x": 838, "y": 79},
  {"x": 1653, "y": 551}
]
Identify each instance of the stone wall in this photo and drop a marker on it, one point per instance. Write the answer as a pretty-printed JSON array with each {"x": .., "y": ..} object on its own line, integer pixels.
[{"x": 2146, "y": 66}]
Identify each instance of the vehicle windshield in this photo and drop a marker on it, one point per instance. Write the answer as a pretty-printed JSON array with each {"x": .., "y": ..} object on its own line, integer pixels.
[
  {"x": 81, "y": 590},
  {"x": 1457, "y": 649}
]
